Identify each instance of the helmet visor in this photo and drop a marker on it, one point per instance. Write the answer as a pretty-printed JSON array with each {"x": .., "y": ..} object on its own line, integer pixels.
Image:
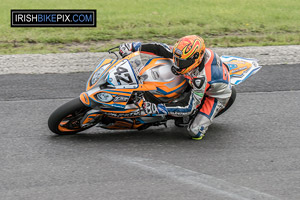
[{"x": 183, "y": 63}]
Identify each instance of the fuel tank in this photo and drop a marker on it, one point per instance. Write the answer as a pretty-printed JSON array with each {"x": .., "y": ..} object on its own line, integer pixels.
[{"x": 157, "y": 71}]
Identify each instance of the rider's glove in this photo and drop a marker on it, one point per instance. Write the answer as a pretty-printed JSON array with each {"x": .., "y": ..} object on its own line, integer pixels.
[
  {"x": 125, "y": 49},
  {"x": 151, "y": 108}
]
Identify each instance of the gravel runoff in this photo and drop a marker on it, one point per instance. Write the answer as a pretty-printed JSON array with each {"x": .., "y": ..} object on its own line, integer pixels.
[{"x": 85, "y": 62}]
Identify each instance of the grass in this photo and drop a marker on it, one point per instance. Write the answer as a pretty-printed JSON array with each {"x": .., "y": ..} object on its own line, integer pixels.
[{"x": 223, "y": 23}]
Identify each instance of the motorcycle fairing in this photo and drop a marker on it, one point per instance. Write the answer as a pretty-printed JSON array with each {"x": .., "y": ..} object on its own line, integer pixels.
[
  {"x": 110, "y": 98},
  {"x": 99, "y": 72},
  {"x": 120, "y": 124},
  {"x": 130, "y": 123},
  {"x": 90, "y": 117},
  {"x": 240, "y": 68},
  {"x": 157, "y": 72},
  {"x": 126, "y": 111},
  {"x": 120, "y": 82}
]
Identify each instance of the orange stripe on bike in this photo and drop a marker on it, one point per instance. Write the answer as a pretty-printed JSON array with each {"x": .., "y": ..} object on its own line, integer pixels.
[
  {"x": 151, "y": 65},
  {"x": 145, "y": 52},
  {"x": 63, "y": 129},
  {"x": 84, "y": 98}
]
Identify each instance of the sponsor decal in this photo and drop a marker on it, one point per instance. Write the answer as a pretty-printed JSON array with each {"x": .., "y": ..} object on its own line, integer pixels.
[
  {"x": 131, "y": 114},
  {"x": 121, "y": 99},
  {"x": 178, "y": 113},
  {"x": 150, "y": 108}
]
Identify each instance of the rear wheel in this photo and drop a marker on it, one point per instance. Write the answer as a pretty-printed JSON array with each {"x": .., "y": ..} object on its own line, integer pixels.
[
  {"x": 65, "y": 120},
  {"x": 230, "y": 102}
]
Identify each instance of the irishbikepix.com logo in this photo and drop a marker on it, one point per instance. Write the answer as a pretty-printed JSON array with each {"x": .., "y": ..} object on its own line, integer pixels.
[{"x": 53, "y": 18}]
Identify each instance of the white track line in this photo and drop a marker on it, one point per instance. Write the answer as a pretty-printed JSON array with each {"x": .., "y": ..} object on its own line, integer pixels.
[{"x": 201, "y": 181}]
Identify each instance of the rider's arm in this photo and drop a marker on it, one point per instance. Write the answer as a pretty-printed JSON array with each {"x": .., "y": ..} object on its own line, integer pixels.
[
  {"x": 159, "y": 49},
  {"x": 186, "y": 105}
]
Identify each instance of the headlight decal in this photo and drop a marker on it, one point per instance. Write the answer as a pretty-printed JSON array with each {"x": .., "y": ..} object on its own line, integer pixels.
[{"x": 104, "y": 97}]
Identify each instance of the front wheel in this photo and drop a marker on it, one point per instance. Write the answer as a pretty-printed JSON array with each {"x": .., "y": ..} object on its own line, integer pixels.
[{"x": 65, "y": 120}]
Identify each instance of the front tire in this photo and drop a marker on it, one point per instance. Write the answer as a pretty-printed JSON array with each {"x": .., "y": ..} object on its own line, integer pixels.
[{"x": 65, "y": 120}]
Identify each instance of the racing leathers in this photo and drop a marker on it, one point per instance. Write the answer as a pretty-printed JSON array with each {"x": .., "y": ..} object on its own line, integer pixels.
[{"x": 211, "y": 89}]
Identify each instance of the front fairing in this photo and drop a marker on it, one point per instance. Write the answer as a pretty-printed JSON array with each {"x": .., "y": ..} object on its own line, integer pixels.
[
  {"x": 115, "y": 89},
  {"x": 116, "y": 73},
  {"x": 113, "y": 81}
]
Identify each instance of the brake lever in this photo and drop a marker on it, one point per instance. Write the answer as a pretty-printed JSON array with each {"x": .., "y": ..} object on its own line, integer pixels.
[{"x": 112, "y": 52}]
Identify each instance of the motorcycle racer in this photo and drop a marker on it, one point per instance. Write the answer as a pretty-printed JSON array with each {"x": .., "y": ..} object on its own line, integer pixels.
[{"x": 207, "y": 75}]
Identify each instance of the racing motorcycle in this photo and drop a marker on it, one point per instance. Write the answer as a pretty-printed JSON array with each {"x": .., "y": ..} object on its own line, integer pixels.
[{"x": 117, "y": 88}]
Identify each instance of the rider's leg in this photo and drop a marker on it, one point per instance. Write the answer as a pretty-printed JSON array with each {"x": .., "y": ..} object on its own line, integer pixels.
[{"x": 209, "y": 108}]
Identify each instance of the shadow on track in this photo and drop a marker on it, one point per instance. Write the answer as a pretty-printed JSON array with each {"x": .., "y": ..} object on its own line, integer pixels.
[{"x": 217, "y": 133}]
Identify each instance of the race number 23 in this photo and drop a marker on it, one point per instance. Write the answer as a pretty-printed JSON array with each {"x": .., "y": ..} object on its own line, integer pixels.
[{"x": 122, "y": 74}]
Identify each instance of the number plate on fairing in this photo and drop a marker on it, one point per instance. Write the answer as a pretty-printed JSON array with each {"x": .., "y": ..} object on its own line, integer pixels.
[{"x": 123, "y": 76}]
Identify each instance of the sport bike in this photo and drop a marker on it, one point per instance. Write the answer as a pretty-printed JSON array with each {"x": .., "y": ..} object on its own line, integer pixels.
[{"x": 117, "y": 88}]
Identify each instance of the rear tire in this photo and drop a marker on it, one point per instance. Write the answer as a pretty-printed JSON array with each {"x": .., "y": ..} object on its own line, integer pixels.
[
  {"x": 65, "y": 120},
  {"x": 230, "y": 102}
]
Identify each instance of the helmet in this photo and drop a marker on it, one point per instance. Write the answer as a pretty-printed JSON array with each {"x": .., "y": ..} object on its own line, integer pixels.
[{"x": 188, "y": 53}]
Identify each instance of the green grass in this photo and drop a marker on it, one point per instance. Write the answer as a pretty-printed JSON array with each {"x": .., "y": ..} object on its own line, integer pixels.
[{"x": 224, "y": 23}]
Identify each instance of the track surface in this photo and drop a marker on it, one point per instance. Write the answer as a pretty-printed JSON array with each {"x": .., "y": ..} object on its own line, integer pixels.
[{"x": 251, "y": 152}]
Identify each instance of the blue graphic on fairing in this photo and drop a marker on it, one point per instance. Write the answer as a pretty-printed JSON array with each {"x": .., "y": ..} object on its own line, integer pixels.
[
  {"x": 150, "y": 60},
  {"x": 107, "y": 79},
  {"x": 166, "y": 93},
  {"x": 140, "y": 120},
  {"x": 231, "y": 66}
]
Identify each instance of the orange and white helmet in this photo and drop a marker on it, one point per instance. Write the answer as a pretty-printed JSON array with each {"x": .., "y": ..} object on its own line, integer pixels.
[{"x": 188, "y": 52}]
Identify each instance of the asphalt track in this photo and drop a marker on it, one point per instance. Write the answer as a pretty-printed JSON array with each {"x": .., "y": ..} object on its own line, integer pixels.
[{"x": 250, "y": 152}]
